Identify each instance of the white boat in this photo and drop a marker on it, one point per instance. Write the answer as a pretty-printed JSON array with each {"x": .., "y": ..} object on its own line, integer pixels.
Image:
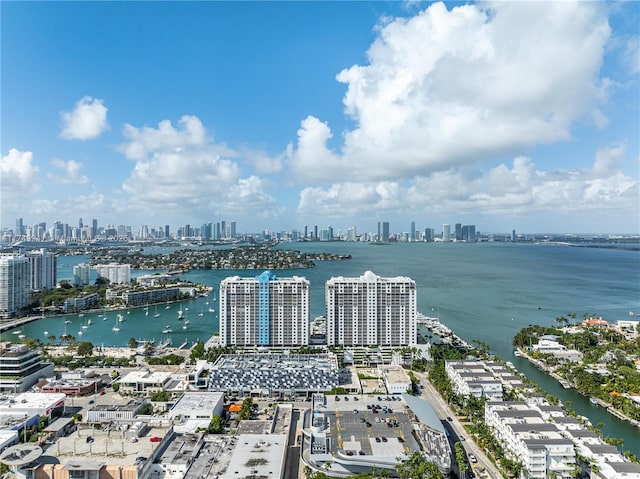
[
  {"x": 184, "y": 327},
  {"x": 81, "y": 315},
  {"x": 89, "y": 322},
  {"x": 180, "y": 313},
  {"x": 68, "y": 321},
  {"x": 167, "y": 329},
  {"x": 79, "y": 333},
  {"x": 115, "y": 328},
  {"x": 157, "y": 315},
  {"x": 593, "y": 401},
  {"x": 21, "y": 336},
  {"x": 46, "y": 333},
  {"x": 104, "y": 319},
  {"x": 211, "y": 310},
  {"x": 120, "y": 318},
  {"x": 167, "y": 307},
  {"x": 19, "y": 331},
  {"x": 84, "y": 326}
]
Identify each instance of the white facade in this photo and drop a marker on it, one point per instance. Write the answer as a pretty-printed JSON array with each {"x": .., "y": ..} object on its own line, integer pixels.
[
  {"x": 15, "y": 283},
  {"x": 81, "y": 274},
  {"x": 144, "y": 382},
  {"x": 472, "y": 378},
  {"x": 43, "y": 269},
  {"x": 21, "y": 368},
  {"x": 115, "y": 273},
  {"x": 198, "y": 405},
  {"x": 531, "y": 439},
  {"x": 371, "y": 311},
  {"x": 396, "y": 379},
  {"x": 264, "y": 311}
]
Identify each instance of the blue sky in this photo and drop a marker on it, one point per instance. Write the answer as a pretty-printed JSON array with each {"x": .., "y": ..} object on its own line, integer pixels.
[{"x": 275, "y": 115}]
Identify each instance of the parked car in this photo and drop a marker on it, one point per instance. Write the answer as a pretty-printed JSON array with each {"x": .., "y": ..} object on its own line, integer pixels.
[{"x": 472, "y": 458}]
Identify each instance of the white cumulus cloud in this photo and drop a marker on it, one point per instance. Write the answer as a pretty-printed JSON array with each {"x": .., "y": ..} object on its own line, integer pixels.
[
  {"x": 18, "y": 174},
  {"x": 453, "y": 87},
  {"x": 87, "y": 120},
  {"x": 513, "y": 190},
  {"x": 72, "y": 172},
  {"x": 182, "y": 170}
]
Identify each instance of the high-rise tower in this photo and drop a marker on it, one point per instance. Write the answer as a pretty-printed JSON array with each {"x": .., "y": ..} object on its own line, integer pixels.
[
  {"x": 371, "y": 310},
  {"x": 264, "y": 311}
]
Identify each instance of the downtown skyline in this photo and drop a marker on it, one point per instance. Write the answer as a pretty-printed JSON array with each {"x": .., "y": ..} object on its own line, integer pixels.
[{"x": 507, "y": 115}]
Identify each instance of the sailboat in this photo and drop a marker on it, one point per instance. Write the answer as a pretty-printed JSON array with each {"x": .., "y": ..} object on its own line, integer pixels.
[
  {"x": 180, "y": 314},
  {"x": 157, "y": 315},
  {"x": 120, "y": 318},
  {"x": 201, "y": 313},
  {"x": 115, "y": 328},
  {"x": 167, "y": 329}
]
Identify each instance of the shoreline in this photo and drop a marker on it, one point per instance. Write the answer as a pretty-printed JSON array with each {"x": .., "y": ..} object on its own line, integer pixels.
[{"x": 564, "y": 382}]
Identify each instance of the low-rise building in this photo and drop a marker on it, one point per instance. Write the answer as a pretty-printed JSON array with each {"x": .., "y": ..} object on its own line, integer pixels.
[
  {"x": 396, "y": 379},
  {"x": 21, "y": 368},
  {"x": 530, "y": 439},
  {"x": 145, "y": 382},
  {"x": 472, "y": 378},
  {"x": 115, "y": 412},
  {"x": 81, "y": 303}
]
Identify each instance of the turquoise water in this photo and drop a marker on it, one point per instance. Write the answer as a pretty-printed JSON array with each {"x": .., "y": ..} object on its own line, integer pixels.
[{"x": 484, "y": 291}]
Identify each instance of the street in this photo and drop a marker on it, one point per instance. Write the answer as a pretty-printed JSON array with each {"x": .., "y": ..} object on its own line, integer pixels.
[{"x": 457, "y": 431}]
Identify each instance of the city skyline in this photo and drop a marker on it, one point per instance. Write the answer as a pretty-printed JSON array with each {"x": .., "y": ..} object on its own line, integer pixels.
[{"x": 284, "y": 114}]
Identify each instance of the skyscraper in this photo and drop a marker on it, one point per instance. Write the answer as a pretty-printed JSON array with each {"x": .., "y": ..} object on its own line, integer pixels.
[
  {"x": 81, "y": 274},
  {"x": 264, "y": 311},
  {"x": 115, "y": 273},
  {"x": 413, "y": 231},
  {"x": 446, "y": 232},
  {"x": 371, "y": 310},
  {"x": 15, "y": 282},
  {"x": 385, "y": 231},
  {"x": 42, "y": 265},
  {"x": 233, "y": 230},
  {"x": 19, "y": 228},
  {"x": 459, "y": 232}
]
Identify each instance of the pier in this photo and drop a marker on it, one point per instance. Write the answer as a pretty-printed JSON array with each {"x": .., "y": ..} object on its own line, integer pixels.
[{"x": 442, "y": 331}]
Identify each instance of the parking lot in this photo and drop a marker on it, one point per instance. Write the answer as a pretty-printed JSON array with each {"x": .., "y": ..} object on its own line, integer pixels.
[{"x": 364, "y": 425}]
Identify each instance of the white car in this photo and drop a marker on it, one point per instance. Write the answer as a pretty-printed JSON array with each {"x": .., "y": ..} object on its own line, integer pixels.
[{"x": 472, "y": 458}]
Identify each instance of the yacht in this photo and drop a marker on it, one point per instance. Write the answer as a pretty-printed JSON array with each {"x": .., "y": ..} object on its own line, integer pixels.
[
  {"x": 180, "y": 313},
  {"x": 120, "y": 318},
  {"x": 68, "y": 321},
  {"x": 115, "y": 328},
  {"x": 89, "y": 322},
  {"x": 167, "y": 329}
]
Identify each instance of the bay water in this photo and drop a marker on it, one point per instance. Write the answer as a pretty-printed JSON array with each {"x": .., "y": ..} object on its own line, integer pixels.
[{"x": 482, "y": 291}]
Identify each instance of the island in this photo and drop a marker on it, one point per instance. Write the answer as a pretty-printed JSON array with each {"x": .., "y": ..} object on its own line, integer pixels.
[{"x": 597, "y": 358}]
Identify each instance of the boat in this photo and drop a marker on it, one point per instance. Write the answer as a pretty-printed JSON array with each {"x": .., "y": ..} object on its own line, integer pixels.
[
  {"x": 201, "y": 313},
  {"x": 517, "y": 352},
  {"x": 81, "y": 315},
  {"x": 167, "y": 329},
  {"x": 120, "y": 318},
  {"x": 79, "y": 333},
  {"x": 157, "y": 315},
  {"x": 46, "y": 333},
  {"x": 104, "y": 319},
  {"x": 593, "y": 400},
  {"x": 68, "y": 321},
  {"x": 19, "y": 331},
  {"x": 186, "y": 322},
  {"x": 22, "y": 336},
  {"x": 84, "y": 326},
  {"x": 184, "y": 327},
  {"x": 180, "y": 313},
  {"x": 115, "y": 328},
  {"x": 211, "y": 310},
  {"x": 167, "y": 307},
  {"x": 89, "y": 322},
  {"x": 565, "y": 384}
]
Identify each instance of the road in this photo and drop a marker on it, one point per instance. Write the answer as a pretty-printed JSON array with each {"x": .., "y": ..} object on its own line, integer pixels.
[{"x": 442, "y": 409}]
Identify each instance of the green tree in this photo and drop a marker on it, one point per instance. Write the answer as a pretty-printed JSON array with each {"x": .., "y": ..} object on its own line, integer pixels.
[
  {"x": 85, "y": 348},
  {"x": 216, "y": 426},
  {"x": 133, "y": 343},
  {"x": 416, "y": 466},
  {"x": 159, "y": 396}
]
